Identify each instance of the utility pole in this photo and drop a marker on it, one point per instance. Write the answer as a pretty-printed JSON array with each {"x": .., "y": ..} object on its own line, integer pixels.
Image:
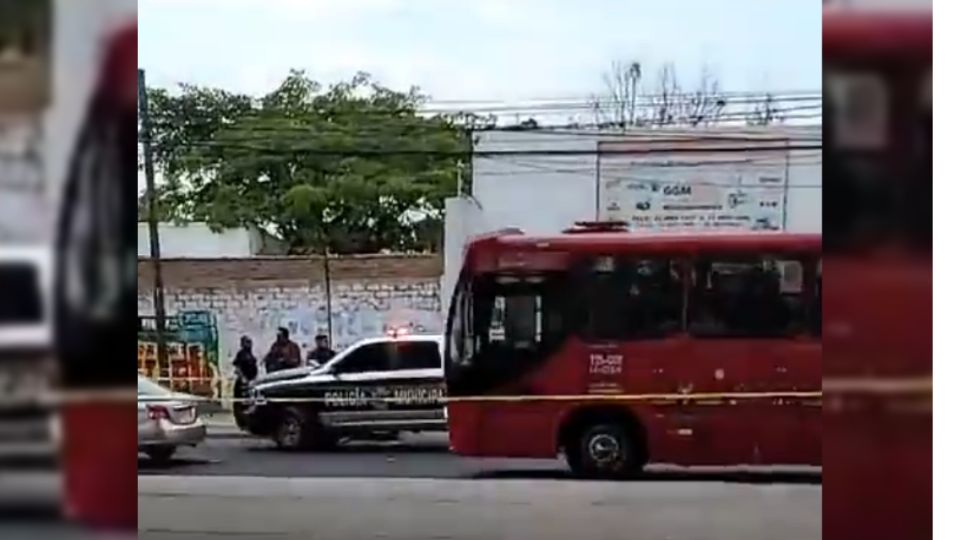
[
  {"x": 146, "y": 137},
  {"x": 327, "y": 284},
  {"x": 596, "y": 186},
  {"x": 459, "y": 178}
]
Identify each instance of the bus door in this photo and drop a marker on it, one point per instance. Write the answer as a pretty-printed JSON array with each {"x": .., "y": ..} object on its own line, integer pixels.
[
  {"x": 517, "y": 339},
  {"x": 749, "y": 317}
]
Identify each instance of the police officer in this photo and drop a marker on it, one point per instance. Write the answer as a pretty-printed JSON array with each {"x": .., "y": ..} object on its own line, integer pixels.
[
  {"x": 284, "y": 353},
  {"x": 245, "y": 362},
  {"x": 322, "y": 353}
]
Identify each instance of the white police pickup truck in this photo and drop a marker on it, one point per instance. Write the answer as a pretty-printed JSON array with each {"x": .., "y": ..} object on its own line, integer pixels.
[{"x": 374, "y": 389}]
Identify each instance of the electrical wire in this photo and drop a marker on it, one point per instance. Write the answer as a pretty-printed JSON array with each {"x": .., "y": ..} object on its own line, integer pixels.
[{"x": 386, "y": 152}]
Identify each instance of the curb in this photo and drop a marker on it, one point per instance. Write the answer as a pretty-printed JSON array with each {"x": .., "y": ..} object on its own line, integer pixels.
[
  {"x": 226, "y": 431},
  {"x": 229, "y": 436},
  {"x": 229, "y": 433}
]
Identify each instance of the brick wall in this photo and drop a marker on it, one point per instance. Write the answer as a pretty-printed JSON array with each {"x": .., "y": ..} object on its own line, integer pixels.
[
  {"x": 255, "y": 296},
  {"x": 253, "y": 273}
]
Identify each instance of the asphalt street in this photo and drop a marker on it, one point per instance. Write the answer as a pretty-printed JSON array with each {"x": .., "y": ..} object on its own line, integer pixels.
[
  {"x": 415, "y": 489},
  {"x": 415, "y": 456},
  {"x": 198, "y": 507}
]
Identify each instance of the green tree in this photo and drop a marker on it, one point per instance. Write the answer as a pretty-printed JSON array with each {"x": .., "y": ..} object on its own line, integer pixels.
[{"x": 352, "y": 167}]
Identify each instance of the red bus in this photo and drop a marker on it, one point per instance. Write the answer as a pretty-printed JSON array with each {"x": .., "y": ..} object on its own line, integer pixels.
[
  {"x": 878, "y": 222},
  {"x": 619, "y": 349}
]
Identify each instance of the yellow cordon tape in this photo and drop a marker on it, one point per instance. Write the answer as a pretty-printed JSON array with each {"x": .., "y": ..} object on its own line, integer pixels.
[
  {"x": 834, "y": 386},
  {"x": 713, "y": 396},
  {"x": 879, "y": 385},
  {"x": 87, "y": 397}
]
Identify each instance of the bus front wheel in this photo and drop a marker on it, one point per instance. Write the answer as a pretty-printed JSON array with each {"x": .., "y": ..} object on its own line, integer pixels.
[{"x": 604, "y": 450}]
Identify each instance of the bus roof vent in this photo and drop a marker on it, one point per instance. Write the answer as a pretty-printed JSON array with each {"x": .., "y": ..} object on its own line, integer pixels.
[{"x": 581, "y": 227}]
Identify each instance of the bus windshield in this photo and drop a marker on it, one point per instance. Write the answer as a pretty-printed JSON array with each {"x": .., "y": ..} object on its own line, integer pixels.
[{"x": 501, "y": 321}]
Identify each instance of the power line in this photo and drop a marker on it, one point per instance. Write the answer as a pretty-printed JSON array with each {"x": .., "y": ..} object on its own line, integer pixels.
[
  {"x": 759, "y": 163},
  {"x": 647, "y": 103},
  {"x": 421, "y": 130},
  {"x": 584, "y": 97},
  {"x": 812, "y": 101},
  {"x": 489, "y": 153}
]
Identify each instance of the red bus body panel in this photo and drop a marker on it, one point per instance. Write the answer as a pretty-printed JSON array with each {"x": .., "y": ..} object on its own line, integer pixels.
[
  {"x": 878, "y": 318},
  {"x": 99, "y": 450},
  {"x": 698, "y": 431}
]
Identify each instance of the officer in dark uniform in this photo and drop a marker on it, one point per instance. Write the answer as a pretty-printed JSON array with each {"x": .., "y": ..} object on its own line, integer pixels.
[
  {"x": 322, "y": 353},
  {"x": 245, "y": 364}
]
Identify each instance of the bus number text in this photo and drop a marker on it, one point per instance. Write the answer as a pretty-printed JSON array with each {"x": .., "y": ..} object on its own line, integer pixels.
[{"x": 606, "y": 364}]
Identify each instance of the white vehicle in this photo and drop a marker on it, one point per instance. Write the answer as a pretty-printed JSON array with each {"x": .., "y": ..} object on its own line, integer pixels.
[
  {"x": 26, "y": 357},
  {"x": 166, "y": 420},
  {"x": 376, "y": 388}
]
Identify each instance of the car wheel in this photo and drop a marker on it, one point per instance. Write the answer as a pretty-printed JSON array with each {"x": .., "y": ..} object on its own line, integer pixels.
[
  {"x": 606, "y": 450},
  {"x": 161, "y": 454},
  {"x": 294, "y": 431}
]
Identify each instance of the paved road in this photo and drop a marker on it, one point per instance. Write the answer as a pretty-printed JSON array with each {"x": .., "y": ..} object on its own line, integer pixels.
[
  {"x": 415, "y": 489},
  {"x": 415, "y": 456},
  {"x": 176, "y": 507},
  {"x": 418, "y": 456}
]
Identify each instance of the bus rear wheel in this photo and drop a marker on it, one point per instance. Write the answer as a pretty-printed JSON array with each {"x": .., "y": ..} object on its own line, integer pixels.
[{"x": 604, "y": 450}]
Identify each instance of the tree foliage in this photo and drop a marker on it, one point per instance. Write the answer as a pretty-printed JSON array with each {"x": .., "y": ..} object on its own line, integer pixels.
[{"x": 352, "y": 167}]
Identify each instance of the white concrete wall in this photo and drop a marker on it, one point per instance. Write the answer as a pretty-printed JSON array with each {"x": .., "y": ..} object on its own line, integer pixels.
[
  {"x": 196, "y": 240},
  {"x": 805, "y": 193},
  {"x": 546, "y": 194},
  {"x": 462, "y": 218},
  {"x": 539, "y": 194}
]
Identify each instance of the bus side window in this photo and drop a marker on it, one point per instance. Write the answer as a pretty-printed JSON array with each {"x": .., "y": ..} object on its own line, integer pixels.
[
  {"x": 748, "y": 297},
  {"x": 631, "y": 298}
]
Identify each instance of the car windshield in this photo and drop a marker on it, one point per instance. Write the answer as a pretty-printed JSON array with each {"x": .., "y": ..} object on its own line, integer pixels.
[{"x": 146, "y": 387}]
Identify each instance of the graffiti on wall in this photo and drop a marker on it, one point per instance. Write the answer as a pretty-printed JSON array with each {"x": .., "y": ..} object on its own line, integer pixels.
[
  {"x": 192, "y": 363},
  {"x": 204, "y": 334}
]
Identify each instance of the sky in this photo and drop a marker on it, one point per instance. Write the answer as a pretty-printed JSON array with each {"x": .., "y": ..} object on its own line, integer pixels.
[{"x": 498, "y": 50}]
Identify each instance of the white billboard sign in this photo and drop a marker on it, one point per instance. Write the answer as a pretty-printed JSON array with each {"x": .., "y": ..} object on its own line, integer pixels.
[{"x": 694, "y": 186}]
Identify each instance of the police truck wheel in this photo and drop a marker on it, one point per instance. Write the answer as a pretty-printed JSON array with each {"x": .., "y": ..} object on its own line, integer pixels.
[
  {"x": 603, "y": 451},
  {"x": 294, "y": 431}
]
